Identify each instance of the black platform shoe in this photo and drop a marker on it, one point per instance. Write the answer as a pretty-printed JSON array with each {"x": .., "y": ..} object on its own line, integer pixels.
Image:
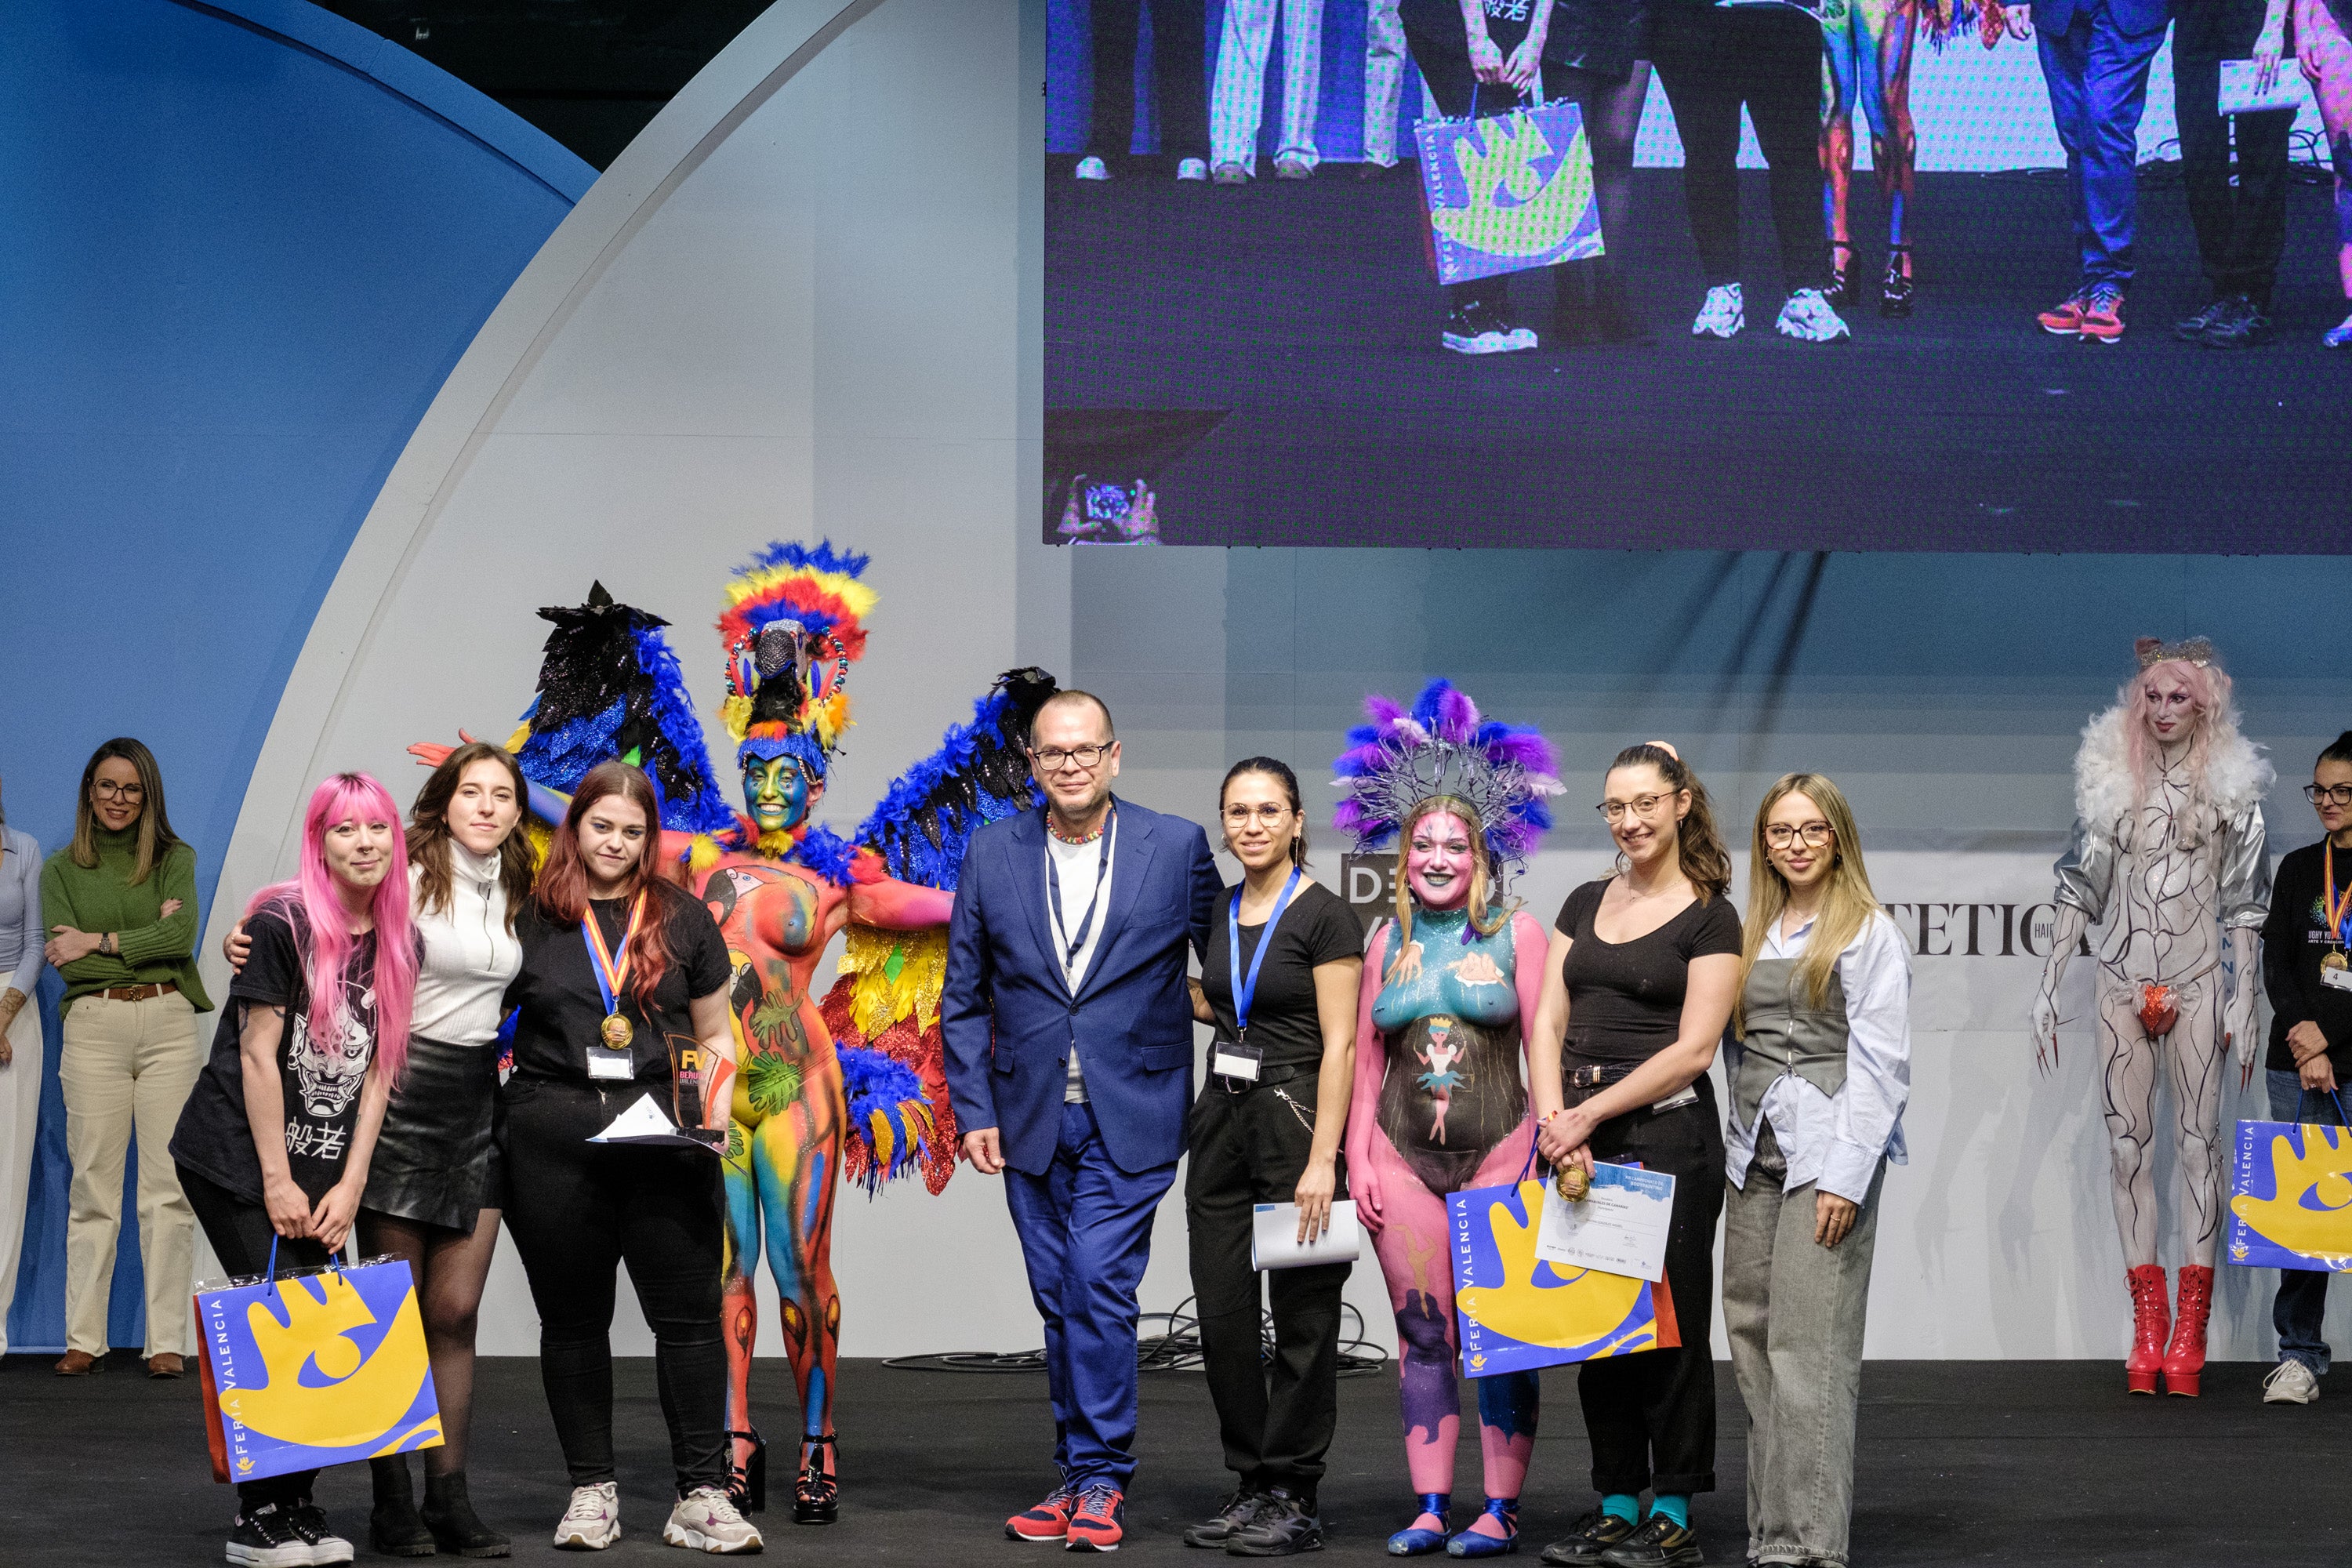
[
  {"x": 1839, "y": 293},
  {"x": 395, "y": 1527},
  {"x": 817, "y": 1496},
  {"x": 747, "y": 1483},
  {"x": 457, "y": 1528},
  {"x": 1895, "y": 294}
]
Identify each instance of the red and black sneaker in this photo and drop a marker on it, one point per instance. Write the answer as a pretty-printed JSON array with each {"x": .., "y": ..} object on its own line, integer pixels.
[
  {"x": 1049, "y": 1520},
  {"x": 1100, "y": 1521}
]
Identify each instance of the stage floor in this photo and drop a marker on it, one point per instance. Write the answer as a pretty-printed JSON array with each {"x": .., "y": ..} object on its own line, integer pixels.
[{"x": 2009, "y": 1462}]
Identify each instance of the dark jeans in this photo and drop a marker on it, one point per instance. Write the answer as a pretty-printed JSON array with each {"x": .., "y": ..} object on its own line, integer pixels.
[
  {"x": 2302, "y": 1300},
  {"x": 2097, "y": 76},
  {"x": 240, "y": 1233},
  {"x": 1651, "y": 1417},
  {"x": 580, "y": 1210},
  {"x": 1711, "y": 60},
  {"x": 1275, "y": 1421},
  {"x": 2241, "y": 228},
  {"x": 1179, "y": 82}
]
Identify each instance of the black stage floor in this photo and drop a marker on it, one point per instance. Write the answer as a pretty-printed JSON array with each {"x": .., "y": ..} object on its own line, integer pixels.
[
  {"x": 1306, "y": 308},
  {"x": 2011, "y": 1462}
]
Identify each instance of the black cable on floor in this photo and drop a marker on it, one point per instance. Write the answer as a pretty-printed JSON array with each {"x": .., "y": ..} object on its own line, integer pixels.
[{"x": 1176, "y": 1348}]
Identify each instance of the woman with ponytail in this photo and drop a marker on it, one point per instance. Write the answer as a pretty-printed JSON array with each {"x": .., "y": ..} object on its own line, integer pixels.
[{"x": 274, "y": 1145}]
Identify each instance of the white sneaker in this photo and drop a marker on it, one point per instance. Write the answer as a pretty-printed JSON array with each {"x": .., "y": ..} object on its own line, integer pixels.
[
  {"x": 1231, "y": 174},
  {"x": 1723, "y": 315},
  {"x": 705, "y": 1520},
  {"x": 2290, "y": 1383},
  {"x": 1291, "y": 166},
  {"x": 1093, "y": 169},
  {"x": 592, "y": 1522},
  {"x": 1810, "y": 318},
  {"x": 1193, "y": 169}
]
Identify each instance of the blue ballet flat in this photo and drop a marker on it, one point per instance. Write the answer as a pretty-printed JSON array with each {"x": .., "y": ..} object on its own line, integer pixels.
[
  {"x": 1470, "y": 1543},
  {"x": 1421, "y": 1542}
]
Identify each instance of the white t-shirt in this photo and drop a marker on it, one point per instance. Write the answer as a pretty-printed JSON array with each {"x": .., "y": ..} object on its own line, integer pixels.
[
  {"x": 469, "y": 955},
  {"x": 1076, "y": 866}
]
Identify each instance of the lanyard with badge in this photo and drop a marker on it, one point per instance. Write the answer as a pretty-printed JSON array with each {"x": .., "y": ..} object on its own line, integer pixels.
[
  {"x": 1077, "y": 940},
  {"x": 1237, "y": 1060},
  {"x": 2334, "y": 971},
  {"x": 612, "y": 1059}
]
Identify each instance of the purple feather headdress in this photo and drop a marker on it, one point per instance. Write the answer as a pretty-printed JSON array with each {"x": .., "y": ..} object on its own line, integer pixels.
[{"x": 1442, "y": 747}]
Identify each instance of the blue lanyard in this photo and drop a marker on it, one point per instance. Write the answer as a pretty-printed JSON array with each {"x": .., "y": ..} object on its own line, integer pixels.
[
  {"x": 1054, "y": 882},
  {"x": 1245, "y": 991}
]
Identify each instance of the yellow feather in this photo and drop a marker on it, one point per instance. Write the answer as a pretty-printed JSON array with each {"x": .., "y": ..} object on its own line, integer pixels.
[{"x": 876, "y": 1000}]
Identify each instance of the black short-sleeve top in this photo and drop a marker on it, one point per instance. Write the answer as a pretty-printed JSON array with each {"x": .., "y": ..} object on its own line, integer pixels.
[
  {"x": 559, "y": 1009},
  {"x": 1316, "y": 928},
  {"x": 1626, "y": 999}
]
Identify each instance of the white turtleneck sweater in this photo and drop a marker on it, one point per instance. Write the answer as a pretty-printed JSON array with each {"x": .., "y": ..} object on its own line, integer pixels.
[{"x": 469, "y": 955}]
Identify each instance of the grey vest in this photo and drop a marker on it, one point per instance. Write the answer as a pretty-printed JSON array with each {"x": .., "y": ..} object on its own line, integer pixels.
[{"x": 1787, "y": 1035}]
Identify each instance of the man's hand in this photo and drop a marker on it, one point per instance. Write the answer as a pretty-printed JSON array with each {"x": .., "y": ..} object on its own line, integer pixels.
[
  {"x": 1834, "y": 1218},
  {"x": 985, "y": 1151}
]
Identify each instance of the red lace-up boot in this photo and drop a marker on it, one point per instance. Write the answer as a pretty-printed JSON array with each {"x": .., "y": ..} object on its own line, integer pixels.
[
  {"x": 2151, "y": 1318},
  {"x": 2184, "y": 1363}
]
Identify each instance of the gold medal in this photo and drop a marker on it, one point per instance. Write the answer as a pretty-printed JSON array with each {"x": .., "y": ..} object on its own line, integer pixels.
[
  {"x": 614, "y": 1031},
  {"x": 1573, "y": 1182},
  {"x": 2334, "y": 961},
  {"x": 617, "y": 1032}
]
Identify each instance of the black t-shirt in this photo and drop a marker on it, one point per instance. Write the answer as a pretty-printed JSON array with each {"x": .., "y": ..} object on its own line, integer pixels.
[
  {"x": 1317, "y": 927},
  {"x": 2294, "y": 939},
  {"x": 1597, "y": 34},
  {"x": 319, "y": 1078},
  {"x": 1625, "y": 999},
  {"x": 559, "y": 1008}
]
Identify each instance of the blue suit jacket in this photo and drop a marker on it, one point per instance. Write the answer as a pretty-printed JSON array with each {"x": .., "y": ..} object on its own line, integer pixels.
[{"x": 1010, "y": 1023}]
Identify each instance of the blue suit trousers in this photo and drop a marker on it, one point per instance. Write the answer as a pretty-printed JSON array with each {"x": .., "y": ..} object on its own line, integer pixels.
[{"x": 2098, "y": 75}]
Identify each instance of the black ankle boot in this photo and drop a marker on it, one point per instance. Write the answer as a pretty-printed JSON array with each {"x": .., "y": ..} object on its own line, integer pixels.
[
  {"x": 393, "y": 1527},
  {"x": 456, "y": 1529}
]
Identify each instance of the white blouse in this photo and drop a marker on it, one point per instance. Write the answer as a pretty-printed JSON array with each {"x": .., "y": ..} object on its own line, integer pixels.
[{"x": 469, "y": 955}]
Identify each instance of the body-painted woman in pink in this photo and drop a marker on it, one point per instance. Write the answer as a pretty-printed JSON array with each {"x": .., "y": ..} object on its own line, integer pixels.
[{"x": 1450, "y": 988}]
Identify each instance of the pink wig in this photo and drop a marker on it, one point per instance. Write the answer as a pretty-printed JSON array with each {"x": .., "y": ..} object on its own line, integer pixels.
[
  {"x": 344, "y": 798},
  {"x": 2209, "y": 687}
]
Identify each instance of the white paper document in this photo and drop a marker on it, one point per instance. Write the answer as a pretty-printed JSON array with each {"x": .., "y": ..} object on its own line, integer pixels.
[
  {"x": 2240, "y": 94},
  {"x": 643, "y": 1122},
  {"x": 1620, "y": 1227},
  {"x": 1274, "y": 1236}
]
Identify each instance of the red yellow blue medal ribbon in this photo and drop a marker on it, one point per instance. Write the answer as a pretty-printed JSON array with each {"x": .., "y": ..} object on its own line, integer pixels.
[{"x": 611, "y": 976}]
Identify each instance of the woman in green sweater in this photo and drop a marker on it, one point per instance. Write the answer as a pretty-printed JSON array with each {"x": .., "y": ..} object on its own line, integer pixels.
[{"x": 120, "y": 903}]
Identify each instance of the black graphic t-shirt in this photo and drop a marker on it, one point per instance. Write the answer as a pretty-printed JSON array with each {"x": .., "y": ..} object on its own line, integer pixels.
[
  {"x": 2295, "y": 944},
  {"x": 559, "y": 1008},
  {"x": 319, "y": 1075}
]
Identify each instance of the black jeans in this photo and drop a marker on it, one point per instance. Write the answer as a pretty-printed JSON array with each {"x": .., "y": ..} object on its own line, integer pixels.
[
  {"x": 1711, "y": 60},
  {"x": 577, "y": 1211},
  {"x": 1180, "y": 83},
  {"x": 1275, "y": 1422},
  {"x": 1651, "y": 1417},
  {"x": 2241, "y": 228},
  {"x": 240, "y": 1233}
]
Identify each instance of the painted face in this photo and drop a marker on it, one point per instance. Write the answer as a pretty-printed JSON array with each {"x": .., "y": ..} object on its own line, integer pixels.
[
  {"x": 2169, "y": 702},
  {"x": 359, "y": 851},
  {"x": 1642, "y": 810},
  {"x": 116, "y": 795},
  {"x": 1439, "y": 860},
  {"x": 777, "y": 791},
  {"x": 1798, "y": 838},
  {"x": 2333, "y": 775},
  {"x": 483, "y": 809}
]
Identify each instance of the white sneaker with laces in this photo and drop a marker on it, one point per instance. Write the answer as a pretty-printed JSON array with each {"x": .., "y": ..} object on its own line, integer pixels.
[
  {"x": 1093, "y": 169},
  {"x": 592, "y": 1522},
  {"x": 1193, "y": 169},
  {"x": 2290, "y": 1383},
  {"x": 1723, "y": 315},
  {"x": 1809, "y": 316},
  {"x": 705, "y": 1519}
]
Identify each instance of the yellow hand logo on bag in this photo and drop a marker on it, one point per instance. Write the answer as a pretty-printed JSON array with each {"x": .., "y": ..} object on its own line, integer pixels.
[
  {"x": 323, "y": 1391},
  {"x": 1578, "y": 1309},
  {"x": 2311, "y": 1211},
  {"x": 1543, "y": 212}
]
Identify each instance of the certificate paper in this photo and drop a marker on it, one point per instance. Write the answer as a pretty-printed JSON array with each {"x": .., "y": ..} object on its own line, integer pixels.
[
  {"x": 1619, "y": 1228},
  {"x": 643, "y": 1122},
  {"x": 1274, "y": 1236},
  {"x": 2241, "y": 92}
]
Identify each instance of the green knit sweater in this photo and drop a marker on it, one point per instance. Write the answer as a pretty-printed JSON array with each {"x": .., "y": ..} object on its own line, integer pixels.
[{"x": 102, "y": 898}]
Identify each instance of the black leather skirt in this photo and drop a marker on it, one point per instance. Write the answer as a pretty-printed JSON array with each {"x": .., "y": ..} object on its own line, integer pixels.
[{"x": 433, "y": 1158}]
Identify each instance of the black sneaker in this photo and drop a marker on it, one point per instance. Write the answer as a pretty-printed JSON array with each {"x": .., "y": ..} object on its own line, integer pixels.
[
  {"x": 309, "y": 1522},
  {"x": 266, "y": 1539},
  {"x": 1587, "y": 1539},
  {"x": 1238, "y": 1510},
  {"x": 2244, "y": 326},
  {"x": 1659, "y": 1544},
  {"x": 2192, "y": 329},
  {"x": 1285, "y": 1524},
  {"x": 1478, "y": 328}
]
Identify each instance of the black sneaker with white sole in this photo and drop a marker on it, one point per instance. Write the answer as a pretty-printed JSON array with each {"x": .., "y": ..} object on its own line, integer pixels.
[
  {"x": 1587, "y": 1539},
  {"x": 1475, "y": 327},
  {"x": 1660, "y": 1542},
  {"x": 310, "y": 1522},
  {"x": 266, "y": 1537}
]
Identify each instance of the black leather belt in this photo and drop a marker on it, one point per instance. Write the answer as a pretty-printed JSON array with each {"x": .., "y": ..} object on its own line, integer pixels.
[
  {"x": 1268, "y": 1078},
  {"x": 1596, "y": 1075}
]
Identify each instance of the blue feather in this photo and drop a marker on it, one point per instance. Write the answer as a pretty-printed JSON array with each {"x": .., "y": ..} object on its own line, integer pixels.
[
  {"x": 827, "y": 853},
  {"x": 908, "y": 850},
  {"x": 871, "y": 1083}
]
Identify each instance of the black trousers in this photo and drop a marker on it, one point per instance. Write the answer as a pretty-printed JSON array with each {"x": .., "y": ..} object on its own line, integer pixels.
[
  {"x": 1275, "y": 1421},
  {"x": 1180, "y": 83},
  {"x": 577, "y": 1211},
  {"x": 240, "y": 1233},
  {"x": 1712, "y": 60},
  {"x": 1651, "y": 1417},
  {"x": 2241, "y": 228}
]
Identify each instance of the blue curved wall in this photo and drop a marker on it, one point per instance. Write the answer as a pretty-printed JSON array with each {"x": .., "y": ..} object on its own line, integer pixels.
[{"x": 246, "y": 243}]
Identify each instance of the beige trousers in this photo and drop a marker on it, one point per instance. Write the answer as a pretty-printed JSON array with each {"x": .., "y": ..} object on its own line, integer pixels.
[
  {"x": 126, "y": 1066},
  {"x": 20, "y": 1119}
]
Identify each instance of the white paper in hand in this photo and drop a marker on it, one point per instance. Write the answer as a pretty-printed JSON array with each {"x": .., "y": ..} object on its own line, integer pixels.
[
  {"x": 1619, "y": 1228},
  {"x": 1274, "y": 1236},
  {"x": 643, "y": 1122},
  {"x": 2241, "y": 90}
]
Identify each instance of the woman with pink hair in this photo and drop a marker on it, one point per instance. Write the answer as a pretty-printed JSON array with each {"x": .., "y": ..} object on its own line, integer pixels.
[{"x": 273, "y": 1146}]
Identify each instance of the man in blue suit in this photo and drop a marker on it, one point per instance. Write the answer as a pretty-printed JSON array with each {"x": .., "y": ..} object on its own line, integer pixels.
[
  {"x": 1069, "y": 1058},
  {"x": 2096, "y": 56}
]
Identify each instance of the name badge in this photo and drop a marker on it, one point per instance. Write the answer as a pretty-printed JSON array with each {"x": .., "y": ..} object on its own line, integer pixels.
[
  {"x": 610, "y": 1065},
  {"x": 2339, "y": 979},
  {"x": 1232, "y": 1059}
]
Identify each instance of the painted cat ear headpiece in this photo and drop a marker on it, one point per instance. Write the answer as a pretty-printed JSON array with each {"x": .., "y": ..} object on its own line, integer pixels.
[
  {"x": 795, "y": 623},
  {"x": 2153, "y": 651},
  {"x": 1442, "y": 747}
]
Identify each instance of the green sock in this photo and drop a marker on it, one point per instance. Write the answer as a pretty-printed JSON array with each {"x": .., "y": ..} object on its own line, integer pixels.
[
  {"x": 1674, "y": 1507},
  {"x": 1622, "y": 1505}
]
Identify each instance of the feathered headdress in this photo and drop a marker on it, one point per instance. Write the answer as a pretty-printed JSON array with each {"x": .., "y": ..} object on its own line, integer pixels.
[
  {"x": 794, "y": 622},
  {"x": 1442, "y": 747}
]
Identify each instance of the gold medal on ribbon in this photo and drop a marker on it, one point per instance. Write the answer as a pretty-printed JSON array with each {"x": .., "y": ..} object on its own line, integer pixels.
[
  {"x": 2337, "y": 908},
  {"x": 611, "y": 976},
  {"x": 617, "y": 1032},
  {"x": 2334, "y": 961}
]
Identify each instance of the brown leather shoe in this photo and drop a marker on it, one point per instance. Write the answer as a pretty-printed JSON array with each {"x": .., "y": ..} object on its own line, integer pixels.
[
  {"x": 168, "y": 1364},
  {"x": 77, "y": 1364}
]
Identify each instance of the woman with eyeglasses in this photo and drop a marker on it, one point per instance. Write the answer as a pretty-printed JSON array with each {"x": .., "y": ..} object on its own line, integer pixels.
[
  {"x": 1279, "y": 986},
  {"x": 120, "y": 904},
  {"x": 2309, "y": 984},
  {"x": 1820, "y": 1072},
  {"x": 1643, "y": 969}
]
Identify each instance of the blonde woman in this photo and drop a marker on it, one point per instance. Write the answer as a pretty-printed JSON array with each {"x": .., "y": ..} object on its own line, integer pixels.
[{"x": 1819, "y": 1075}]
